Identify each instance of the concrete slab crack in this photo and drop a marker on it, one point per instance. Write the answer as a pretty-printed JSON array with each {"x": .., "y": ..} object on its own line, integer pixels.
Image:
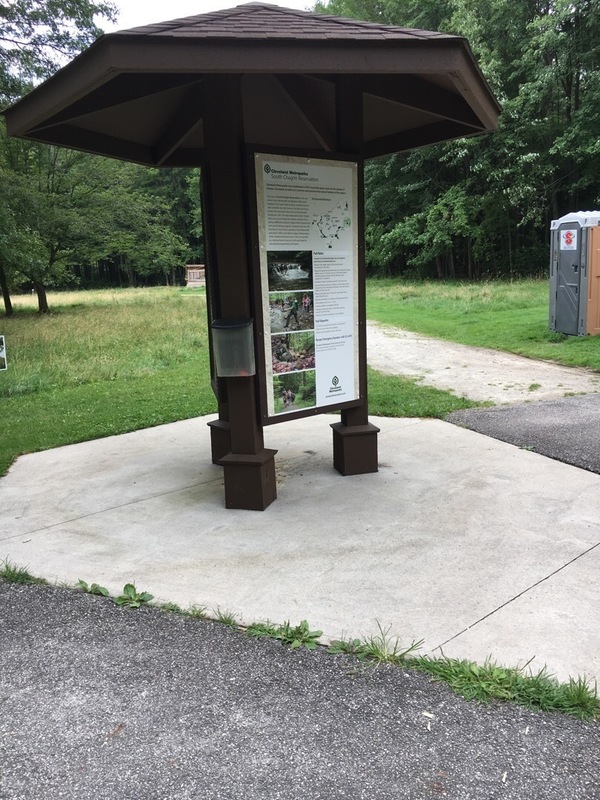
[{"x": 516, "y": 597}]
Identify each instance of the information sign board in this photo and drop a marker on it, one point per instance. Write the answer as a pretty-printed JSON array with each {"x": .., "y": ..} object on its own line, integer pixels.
[{"x": 307, "y": 211}]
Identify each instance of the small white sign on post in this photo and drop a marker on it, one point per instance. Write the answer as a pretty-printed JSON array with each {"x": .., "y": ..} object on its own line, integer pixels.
[
  {"x": 568, "y": 239},
  {"x": 2, "y": 353}
]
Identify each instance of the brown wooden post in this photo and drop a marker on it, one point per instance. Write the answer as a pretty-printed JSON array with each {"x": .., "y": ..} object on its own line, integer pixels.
[
  {"x": 219, "y": 428},
  {"x": 249, "y": 469},
  {"x": 355, "y": 438}
]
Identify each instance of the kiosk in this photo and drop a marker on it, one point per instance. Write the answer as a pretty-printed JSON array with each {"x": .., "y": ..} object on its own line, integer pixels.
[{"x": 279, "y": 108}]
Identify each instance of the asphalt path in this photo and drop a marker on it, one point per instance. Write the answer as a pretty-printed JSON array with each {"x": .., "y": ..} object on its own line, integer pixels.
[
  {"x": 98, "y": 701},
  {"x": 567, "y": 430}
]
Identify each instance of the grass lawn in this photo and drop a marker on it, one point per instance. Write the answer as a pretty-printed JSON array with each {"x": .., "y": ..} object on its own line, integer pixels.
[
  {"x": 503, "y": 315},
  {"x": 108, "y": 362},
  {"x": 102, "y": 363}
]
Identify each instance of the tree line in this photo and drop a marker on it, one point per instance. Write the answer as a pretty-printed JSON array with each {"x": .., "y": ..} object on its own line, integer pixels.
[
  {"x": 67, "y": 218},
  {"x": 467, "y": 209},
  {"x": 482, "y": 207}
]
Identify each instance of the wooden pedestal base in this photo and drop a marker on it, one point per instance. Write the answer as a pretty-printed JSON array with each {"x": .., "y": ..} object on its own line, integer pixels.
[
  {"x": 249, "y": 480},
  {"x": 220, "y": 440},
  {"x": 355, "y": 448}
]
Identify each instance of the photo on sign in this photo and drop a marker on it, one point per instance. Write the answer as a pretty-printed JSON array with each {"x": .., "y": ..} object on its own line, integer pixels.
[
  {"x": 292, "y": 352},
  {"x": 293, "y": 311},
  {"x": 2, "y": 353},
  {"x": 289, "y": 270},
  {"x": 294, "y": 391}
]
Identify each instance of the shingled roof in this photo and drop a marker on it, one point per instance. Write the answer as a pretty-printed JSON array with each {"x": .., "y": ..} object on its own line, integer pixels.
[
  {"x": 137, "y": 94},
  {"x": 268, "y": 21}
]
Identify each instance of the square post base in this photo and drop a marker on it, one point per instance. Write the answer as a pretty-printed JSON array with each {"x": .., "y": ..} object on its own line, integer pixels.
[
  {"x": 355, "y": 448},
  {"x": 220, "y": 439},
  {"x": 249, "y": 480}
]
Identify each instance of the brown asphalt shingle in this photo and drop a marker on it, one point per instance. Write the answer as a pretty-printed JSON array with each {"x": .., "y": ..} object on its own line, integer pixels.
[{"x": 265, "y": 21}]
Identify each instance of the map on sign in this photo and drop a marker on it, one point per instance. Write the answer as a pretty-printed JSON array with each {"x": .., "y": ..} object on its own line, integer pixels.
[{"x": 332, "y": 223}]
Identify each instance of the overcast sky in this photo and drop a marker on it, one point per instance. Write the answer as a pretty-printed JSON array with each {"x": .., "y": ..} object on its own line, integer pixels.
[{"x": 143, "y": 12}]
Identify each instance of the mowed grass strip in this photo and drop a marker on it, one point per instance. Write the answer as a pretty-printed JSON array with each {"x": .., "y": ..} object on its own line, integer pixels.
[
  {"x": 502, "y": 315},
  {"x": 113, "y": 361}
]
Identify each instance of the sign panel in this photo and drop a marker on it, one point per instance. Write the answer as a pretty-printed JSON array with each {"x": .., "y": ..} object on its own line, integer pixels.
[
  {"x": 2, "y": 353},
  {"x": 308, "y": 239},
  {"x": 568, "y": 239}
]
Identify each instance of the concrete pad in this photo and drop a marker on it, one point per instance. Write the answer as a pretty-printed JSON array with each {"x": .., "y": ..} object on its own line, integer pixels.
[
  {"x": 551, "y": 633},
  {"x": 453, "y": 527}
]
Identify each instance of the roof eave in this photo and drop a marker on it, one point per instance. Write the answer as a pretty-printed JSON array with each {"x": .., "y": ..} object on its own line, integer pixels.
[{"x": 119, "y": 53}]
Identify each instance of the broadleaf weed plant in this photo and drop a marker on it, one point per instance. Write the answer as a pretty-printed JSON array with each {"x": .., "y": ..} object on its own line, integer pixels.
[
  {"x": 295, "y": 636},
  {"x": 131, "y": 598},
  {"x": 94, "y": 588}
]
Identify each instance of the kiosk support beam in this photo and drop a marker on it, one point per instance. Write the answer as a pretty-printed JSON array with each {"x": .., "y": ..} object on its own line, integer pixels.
[
  {"x": 249, "y": 469},
  {"x": 355, "y": 438}
]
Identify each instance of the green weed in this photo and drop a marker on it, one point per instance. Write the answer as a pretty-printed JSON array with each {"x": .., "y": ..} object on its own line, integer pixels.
[
  {"x": 131, "y": 598},
  {"x": 295, "y": 636},
  {"x": 380, "y": 648},
  {"x": 489, "y": 681},
  {"x": 258, "y": 630},
  {"x": 225, "y": 617},
  {"x": 197, "y": 612},
  {"x": 11, "y": 573},
  {"x": 93, "y": 589},
  {"x": 171, "y": 608},
  {"x": 540, "y": 691}
]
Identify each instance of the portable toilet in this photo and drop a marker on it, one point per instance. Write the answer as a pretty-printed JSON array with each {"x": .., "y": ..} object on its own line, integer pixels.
[{"x": 575, "y": 273}]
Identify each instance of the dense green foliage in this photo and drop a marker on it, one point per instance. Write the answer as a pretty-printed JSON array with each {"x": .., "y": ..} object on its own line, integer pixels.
[
  {"x": 471, "y": 208},
  {"x": 38, "y": 36},
  {"x": 67, "y": 218},
  {"x": 483, "y": 206},
  {"x": 78, "y": 220}
]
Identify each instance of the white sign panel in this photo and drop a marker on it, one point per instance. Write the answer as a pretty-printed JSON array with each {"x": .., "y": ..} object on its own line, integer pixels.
[
  {"x": 568, "y": 239},
  {"x": 307, "y": 221},
  {"x": 2, "y": 353}
]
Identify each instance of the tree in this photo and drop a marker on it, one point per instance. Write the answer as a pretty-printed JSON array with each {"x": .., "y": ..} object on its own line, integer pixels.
[
  {"x": 37, "y": 36},
  {"x": 483, "y": 206},
  {"x": 180, "y": 190}
]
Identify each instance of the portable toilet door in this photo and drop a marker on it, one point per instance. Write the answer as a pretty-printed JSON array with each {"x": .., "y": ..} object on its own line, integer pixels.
[
  {"x": 593, "y": 279},
  {"x": 569, "y": 271},
  {"x": 568, "y": 275}
]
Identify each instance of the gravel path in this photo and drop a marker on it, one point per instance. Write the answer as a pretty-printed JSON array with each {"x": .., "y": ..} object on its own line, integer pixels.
[
  {"x": 558, "y": 425},
  {"x": 103, "y": 702},
  {"x": 473, "y": 372}
]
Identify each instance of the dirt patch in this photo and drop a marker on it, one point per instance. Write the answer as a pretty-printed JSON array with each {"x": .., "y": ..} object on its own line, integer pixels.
[{"x": 473, "y": 372}]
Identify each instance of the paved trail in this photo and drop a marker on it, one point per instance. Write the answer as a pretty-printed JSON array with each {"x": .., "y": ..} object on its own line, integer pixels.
[{"x": 473, "y": 372}]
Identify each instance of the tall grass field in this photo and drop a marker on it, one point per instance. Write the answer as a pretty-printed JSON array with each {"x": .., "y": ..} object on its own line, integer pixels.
[
  {"x": 108, "y": 362},
  {"x": 101, "y": 363}
]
